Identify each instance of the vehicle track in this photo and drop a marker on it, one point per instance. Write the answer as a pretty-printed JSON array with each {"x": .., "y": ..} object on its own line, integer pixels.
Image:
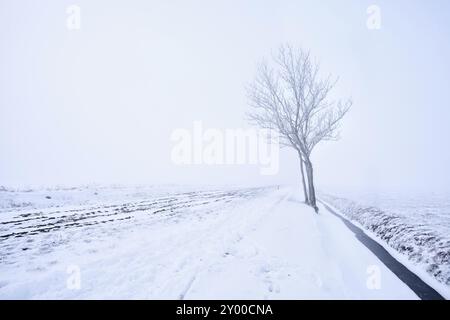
[{"x": 103, "y": 219}]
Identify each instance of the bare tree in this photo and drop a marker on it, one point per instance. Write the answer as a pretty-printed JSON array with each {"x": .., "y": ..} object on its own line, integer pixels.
[{"x": 289, "y": 96}]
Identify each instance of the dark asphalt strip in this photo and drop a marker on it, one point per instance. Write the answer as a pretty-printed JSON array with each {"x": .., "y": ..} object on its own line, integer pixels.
[{"x": 420, "y": 288}]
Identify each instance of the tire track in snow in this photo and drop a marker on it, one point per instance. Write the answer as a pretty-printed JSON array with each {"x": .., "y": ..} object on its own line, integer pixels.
[{"x": 19, "y": 233}]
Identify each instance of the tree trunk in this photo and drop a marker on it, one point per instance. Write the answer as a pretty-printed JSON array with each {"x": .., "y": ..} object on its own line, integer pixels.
[
  {"x": 312, "y": 191},
  {"x": 305, "y": 192}
]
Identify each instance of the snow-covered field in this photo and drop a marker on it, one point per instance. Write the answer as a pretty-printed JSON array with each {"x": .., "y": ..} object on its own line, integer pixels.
[
  {"x": 417, "y": 225},
  {"x": 181, "y": 243}
]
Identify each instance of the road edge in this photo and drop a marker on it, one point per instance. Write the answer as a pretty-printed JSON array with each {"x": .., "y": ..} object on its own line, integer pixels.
[{"x": 421, "y": 288}]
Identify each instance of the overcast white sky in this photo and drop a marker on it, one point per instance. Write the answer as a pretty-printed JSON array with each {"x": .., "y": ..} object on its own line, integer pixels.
[{"x": 99, "y": 104}]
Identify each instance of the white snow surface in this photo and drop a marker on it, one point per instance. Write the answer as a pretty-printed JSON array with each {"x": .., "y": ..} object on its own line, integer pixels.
[
  {"x": 235, "y": 243},
  {"x": 417, "y": 226}
]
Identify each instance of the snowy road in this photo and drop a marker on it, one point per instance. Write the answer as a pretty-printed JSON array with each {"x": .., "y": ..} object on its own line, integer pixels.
[{"x": 257, "y": 243}]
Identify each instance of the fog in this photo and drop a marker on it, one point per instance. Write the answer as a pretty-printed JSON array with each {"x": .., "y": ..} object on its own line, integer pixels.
[{"x": 99, "y": 104}]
